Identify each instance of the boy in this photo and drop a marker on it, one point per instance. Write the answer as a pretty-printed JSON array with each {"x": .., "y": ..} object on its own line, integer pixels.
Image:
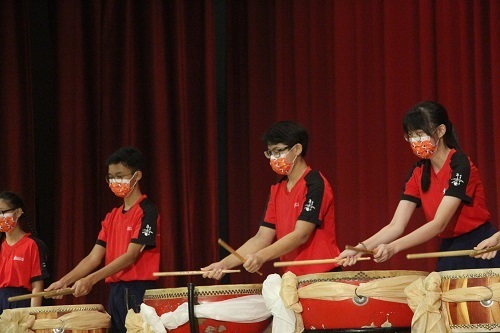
[
  {"x": 299, "y": 213},
  {"x": 129, "y": 241}
]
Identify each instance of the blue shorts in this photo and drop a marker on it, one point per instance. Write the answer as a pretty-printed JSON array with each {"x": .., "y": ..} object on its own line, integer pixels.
[
  {"x": 124, "y": 296},
  {"x": 467, "y": 242},
  {"x": 7, "y": 292}
]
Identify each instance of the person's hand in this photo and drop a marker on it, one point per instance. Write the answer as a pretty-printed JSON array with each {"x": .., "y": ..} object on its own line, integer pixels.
[
  {"x": 489, "y": 242},
  {"x": 349, "y": 257},
  {"x": 214, "y": 271},
  {"x": 56, "y": 286},
  {"x": 384, "y": 252},
  {"x": 253, "y": 263},
  {"x": 82, "y": 287}
]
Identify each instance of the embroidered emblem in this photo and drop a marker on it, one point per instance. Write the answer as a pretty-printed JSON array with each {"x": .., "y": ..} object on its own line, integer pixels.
[
  {"x": 147, "y": 231},
  {"x": 309, "y": 205},
  {"x": 457, "y": 180},
  {"x": 295, "y": 205}
]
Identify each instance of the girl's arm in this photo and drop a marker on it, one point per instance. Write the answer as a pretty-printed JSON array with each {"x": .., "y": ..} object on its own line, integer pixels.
[
  {"x": 37, "y": 287},
  {"x": 489, "y": 242},
  {"x": 447, "y": 208},
  {"x": 387, "y": 234}
]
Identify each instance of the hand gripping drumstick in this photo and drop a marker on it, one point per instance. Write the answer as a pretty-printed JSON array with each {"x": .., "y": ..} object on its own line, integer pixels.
[
  {"x": 192, "y": 272},
  {"x": 46, "y": 294},
  {"x": 471, "y": 253},
  {"x": 348, "y": 247},
  {"x": 232, "y": 251},
  {"x": 313, "y": 262}
]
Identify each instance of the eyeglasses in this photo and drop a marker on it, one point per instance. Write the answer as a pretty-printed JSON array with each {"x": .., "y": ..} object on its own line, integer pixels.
[
  {"x": 119, "y": 179},
  {"x": 2, "y": 212},
  {"x": 418, "y": 137},
  {"x": 275, "y": 152}
]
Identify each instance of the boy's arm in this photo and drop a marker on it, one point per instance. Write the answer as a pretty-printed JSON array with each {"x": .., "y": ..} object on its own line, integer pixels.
[
  {"x": 87, "y": 265},
  {"x": 84, "y": 285}
]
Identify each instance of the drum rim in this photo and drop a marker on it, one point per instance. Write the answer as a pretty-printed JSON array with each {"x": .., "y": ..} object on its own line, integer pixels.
[
  {"x": 357, "y": 275},
  {"x": 213, "y": 290},
  {"x": 63, "y": 308},
  {"x": 476, "y": 273}
]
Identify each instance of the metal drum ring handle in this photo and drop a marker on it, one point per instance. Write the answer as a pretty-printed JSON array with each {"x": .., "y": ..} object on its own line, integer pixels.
[
  {"x": 488, "y": 302},
  {"x": 359, "y": 300}
]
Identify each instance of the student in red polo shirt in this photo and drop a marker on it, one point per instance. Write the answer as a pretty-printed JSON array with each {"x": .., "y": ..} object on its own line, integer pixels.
[
  {"x": 23, "y": 256},
  {"x": 446, "y": 184},
  {"x": 129, "y": 242},
  {"x": 299, "y": 213}
]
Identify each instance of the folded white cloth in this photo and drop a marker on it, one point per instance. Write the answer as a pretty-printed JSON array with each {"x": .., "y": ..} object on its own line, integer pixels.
[
  {"x": 245, "y": 309},
  {"x": 283, "y": 318}
]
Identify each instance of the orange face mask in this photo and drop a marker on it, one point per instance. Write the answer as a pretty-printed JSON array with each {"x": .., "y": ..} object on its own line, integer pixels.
[
  {"x": 424, "y": 148},
  {"x": 121, "y": 187},
  {"x": 280, "y": 165},
  {"x": 7, "y": 222}
]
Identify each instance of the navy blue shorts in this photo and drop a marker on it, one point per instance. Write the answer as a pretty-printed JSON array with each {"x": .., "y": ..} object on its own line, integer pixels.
[
  {"x": 467, "y": 242},
  {"x": 124, "y": 296},
  {"x": 7, "y": 292}
]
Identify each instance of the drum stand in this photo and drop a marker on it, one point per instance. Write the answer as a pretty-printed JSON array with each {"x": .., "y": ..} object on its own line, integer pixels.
[{"x": 193, "y": 322}]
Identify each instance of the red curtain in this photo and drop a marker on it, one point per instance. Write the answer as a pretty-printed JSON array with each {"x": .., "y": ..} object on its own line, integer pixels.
[
  {"x": 348, "y": 71},
  {"x": 143, "y": 74},
  {"x": 17, "y": 151}
]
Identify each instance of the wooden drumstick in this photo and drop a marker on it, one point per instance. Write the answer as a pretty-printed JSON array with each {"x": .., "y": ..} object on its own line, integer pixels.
[
  {"x": 46, "y": 294},
  {"x": 233, "y": 252},
  {"x": 348, "y": 247},
  {"x": 313, "y": 262},
  {"x": 458, "y": 253},
  {"x": 225, "y": 271},
  {"x": 486, "y": 250}
]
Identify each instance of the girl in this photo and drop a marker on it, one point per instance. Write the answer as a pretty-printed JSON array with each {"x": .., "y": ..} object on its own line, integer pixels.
[
  {"x": 446, "y": 184},
  {"x": 22, "y": 256}
]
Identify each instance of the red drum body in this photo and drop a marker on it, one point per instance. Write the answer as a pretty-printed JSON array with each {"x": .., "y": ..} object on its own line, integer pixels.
[
  {"x": 358, "y": 313},
  {"x": 167, "y": 300},
  {"x": 45, "y": 315},
  {"x": 471, "y": 316}
]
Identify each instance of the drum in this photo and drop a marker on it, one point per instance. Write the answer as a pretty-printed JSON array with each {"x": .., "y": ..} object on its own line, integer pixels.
[
  {"x": 470, "y": 309},
  {"x": 83, "y": 318},
  {"x": 167, "y": 300},
  {"x": 356, "y": 301}
]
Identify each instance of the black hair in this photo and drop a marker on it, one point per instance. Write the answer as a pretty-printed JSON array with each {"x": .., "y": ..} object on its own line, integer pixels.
[
  {"x": 427, "y": 116},
  {"x": 130, "y": 157},
  {"x": 288, "y": 133},
  {"x": 14, "y": 201}
]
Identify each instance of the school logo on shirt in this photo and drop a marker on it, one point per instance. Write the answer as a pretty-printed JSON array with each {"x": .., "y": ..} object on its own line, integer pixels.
[
  {"x": 147, "y": 231},
  {"x": 309, "y": 205},
  {"x": 457, "y": 180},
  {"x": 16, "y": 258}
]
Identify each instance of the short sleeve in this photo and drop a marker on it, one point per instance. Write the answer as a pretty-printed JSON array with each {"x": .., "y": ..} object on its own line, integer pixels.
[
  {"x": 459, "y": 178},
  {"x": 314, "y": 198},
  {"x": 146, "y": 235},
  {"x": 411, "y": 187}
]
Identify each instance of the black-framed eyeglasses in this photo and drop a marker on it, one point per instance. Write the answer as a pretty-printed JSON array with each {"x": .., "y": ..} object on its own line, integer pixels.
[
  {"x": 6, "y": 211},
  {"x": 117, "y": 178},
  {"x": 275, "y": 152}
]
